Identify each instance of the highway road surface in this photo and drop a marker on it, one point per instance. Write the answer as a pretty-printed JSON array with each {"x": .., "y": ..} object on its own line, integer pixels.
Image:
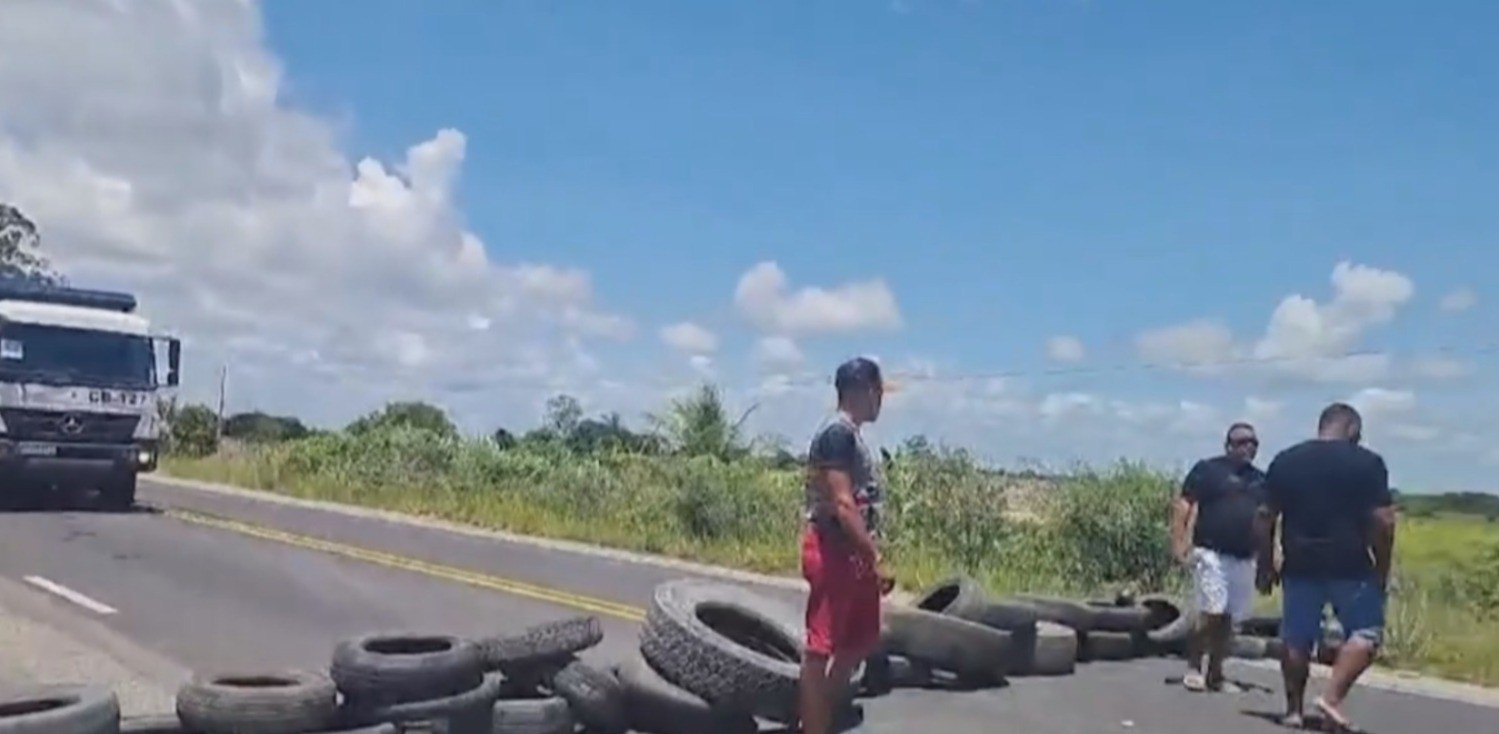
[{"x": 219, "y": 581}]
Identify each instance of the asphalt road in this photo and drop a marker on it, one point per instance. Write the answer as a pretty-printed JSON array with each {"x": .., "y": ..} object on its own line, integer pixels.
[{"x": 208, "y": 596}]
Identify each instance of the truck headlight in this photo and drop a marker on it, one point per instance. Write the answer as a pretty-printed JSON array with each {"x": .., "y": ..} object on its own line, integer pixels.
[{"x": 144, "y": 458}]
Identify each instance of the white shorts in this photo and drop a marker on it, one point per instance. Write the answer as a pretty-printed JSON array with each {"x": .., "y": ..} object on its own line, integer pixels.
[{"x": 1225, "y": 585}]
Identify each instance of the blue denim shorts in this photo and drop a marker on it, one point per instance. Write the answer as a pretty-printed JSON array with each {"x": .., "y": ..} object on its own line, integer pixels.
[{"x": 1358, "y": 604}]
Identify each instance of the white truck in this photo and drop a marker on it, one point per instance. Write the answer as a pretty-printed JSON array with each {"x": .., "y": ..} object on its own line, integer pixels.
[{"x": 79, "y": 382}]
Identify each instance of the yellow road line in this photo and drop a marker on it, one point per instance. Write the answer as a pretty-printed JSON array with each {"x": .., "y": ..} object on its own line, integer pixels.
[{"x": 391, "y": 560}]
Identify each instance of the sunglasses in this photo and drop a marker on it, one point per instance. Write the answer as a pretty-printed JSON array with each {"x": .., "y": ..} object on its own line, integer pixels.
[{"x": 1244, "y": 442}]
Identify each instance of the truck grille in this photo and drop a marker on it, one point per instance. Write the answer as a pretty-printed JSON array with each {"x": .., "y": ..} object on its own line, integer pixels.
[{"x": 53, "y": 425}]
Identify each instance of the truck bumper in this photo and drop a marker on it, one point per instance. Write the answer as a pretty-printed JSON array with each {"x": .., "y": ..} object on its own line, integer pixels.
[{"x": 47, "y": 461}]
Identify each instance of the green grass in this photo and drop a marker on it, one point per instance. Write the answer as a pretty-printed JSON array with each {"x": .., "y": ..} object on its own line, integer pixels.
[{"x": 1092, "y": 533}]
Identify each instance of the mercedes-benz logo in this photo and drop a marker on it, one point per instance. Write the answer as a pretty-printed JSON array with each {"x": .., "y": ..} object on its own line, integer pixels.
[{"x": 71, "y": 424}]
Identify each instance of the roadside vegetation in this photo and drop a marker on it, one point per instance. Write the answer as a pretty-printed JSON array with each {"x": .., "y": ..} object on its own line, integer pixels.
[{"x": 692, "y": 485}]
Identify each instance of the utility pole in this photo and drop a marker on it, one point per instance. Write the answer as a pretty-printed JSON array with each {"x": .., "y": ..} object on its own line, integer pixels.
[{"x": 219, "y": 424}]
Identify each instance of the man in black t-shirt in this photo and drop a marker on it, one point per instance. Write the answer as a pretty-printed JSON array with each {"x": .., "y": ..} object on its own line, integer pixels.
[
  {"x": 1332, "y": 499},
  {"x": 1212, "y": 533}
]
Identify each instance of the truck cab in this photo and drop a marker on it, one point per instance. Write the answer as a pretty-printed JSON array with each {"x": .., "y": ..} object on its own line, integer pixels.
[{"x": 79, "y": 386}]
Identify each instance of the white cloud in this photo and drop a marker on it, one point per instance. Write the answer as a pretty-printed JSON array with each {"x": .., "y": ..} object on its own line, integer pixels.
[
  {"x": 763, "y": 297},
  {"x": 1377, "y": 402},
  {"x": 1065, "y": 349},
  {"x": 1259, "y": 410},
  {"x": 690, "y": 338},
  {"x": 156, "y": 155},
  {"x": 1441, "y": 368},
  {"x": 1459, "y": 300},
  {"x": 1304, "y": 339},
  {"x": 778, "y": 353},
  {"x": 1201, "y": 342}
]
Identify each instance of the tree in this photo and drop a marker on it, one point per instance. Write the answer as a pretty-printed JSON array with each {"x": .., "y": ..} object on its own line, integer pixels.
[
  {"x": 19, "y": 240},
  {"x": 503, "y": 439},
  {"x": 699, "y": 425},
  {"x": 194, "y": 430},
  {"x": 563, "y": 414},
  {"x": 406, "y": 414},
  {"x": 258, "y": 427}
]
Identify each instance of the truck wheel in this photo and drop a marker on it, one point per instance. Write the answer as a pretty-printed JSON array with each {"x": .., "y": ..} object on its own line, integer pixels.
[{"x": 118, "y": 493}]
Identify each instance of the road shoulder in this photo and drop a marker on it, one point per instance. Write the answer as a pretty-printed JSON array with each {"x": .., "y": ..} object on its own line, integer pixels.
[{"x": 45, "y": 643}]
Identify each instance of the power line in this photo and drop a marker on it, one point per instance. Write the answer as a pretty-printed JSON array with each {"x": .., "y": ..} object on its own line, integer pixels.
[{"x": 1118, "y": 367}]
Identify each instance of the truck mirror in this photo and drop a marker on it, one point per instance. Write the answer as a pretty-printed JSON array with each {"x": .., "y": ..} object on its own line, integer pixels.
[{"x": 174, "y": 362}]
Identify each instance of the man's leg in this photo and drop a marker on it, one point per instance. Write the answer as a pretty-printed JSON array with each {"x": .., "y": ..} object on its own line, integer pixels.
[
  {"x": 1239, "y": 576},
  {"x": 1211, "y": 635},
  {"x": 821, "y": 628},
  {"x": 1360, "y": 609},
  {"x": 858, "y": 636},
  {"x": 1300, "y": 629}
]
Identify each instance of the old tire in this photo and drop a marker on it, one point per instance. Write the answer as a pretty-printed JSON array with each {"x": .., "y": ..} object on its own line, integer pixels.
[
  {"x": 544, "y": 646},
  {"x": 1065, "y": 612},
  {"x": 1260, "y": 625},
  {"x": 539, "y": 715},
  {"x": 656, "y": 706},
  {"x": 596, "y": 697},
  {"x": 1110, "y": 617},
  {"x": 59, "y": 709},
  {"x": 375, "y": 729},
  {"x": 976, "y": 654},
  {"x": 1055, "y": 652},
  {"x": 285, "y": 702},
  {"x": 152, "y": 724},
  {"x": 463, "y": 712},
  {"x": 733, "y": 648},
  {"x": 1171, "y": 637},
  {"x": 1101, "y": 645},
  {"x": 385, "y": 669}
]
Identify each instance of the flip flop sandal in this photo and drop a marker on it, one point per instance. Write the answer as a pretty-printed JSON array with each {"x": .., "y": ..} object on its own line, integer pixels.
[
  {"x": 1293, "y": 721},
  {"x": 1335, "y": 721},
  {"x": 1195, "y": 682}
]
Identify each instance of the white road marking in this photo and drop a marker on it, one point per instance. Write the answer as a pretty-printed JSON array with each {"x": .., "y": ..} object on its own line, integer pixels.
[{"x": 52, "y": 587}]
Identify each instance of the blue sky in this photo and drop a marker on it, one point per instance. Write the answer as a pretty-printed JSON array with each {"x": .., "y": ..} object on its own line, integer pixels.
[
  {"x": 1013, "y": 170},
  {"x": 486, "y": 203}
]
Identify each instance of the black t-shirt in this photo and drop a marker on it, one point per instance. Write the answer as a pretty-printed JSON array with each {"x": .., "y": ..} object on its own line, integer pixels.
[
  {"x": 1326, "y": 492},
  {"x": 1227, "y": 493}
]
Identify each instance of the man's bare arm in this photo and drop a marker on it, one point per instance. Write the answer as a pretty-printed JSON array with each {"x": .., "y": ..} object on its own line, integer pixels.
[
  {"x": 1183, "y": 514},
  {"x": 1265, "y": 522},
  {"x": 840, "y": 488}
]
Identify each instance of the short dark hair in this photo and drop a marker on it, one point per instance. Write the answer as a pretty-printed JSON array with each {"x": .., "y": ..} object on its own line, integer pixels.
[
  {"x": 1341, "y": 415},
  {"x": 856, "y": 373},
  {"x": 1241, "y": 425}
]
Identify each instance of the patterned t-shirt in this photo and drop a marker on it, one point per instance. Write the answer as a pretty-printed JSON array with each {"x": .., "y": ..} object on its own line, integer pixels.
[{"x": 838, "y": 445}]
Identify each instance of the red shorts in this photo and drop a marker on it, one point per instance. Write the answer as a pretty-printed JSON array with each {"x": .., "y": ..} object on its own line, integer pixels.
[{"x": 843, "y": 607}]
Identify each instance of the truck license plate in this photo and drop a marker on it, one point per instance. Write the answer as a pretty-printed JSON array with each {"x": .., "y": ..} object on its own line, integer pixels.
[{"x": 36, "y": 449}]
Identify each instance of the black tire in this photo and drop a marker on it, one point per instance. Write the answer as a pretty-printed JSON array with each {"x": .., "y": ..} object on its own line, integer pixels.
[
  {"x": 539, "y": 715},
  {"x": 375, "y": 729},
  {"x": 1247, "y": 647},
  {"x": 1111, "y": 617},
  {"x": 962, "y": 597},
  {"x": 385, "y": 669},
  {"x": 1172, "y": 637},
  {"x": 657, "y": 707},
  {"x": 152, "y": 724},
  {"x": 1160, "y": 611},
  {"x": 1065, "y": 612},
  {"x": 1104, "y": 645},
  {"x": 118, "y": 492},
  {"x": 59, "y": 709},
  {"x": 596, "y": 697},
  {"x": 733, "y": 648},
  {"x": 545, "y": 646},
  {"x": 284, "y": 702},
  {"x": 471, "y": 710},
  {"x": 1260, "y": 625},
  {"x": 1055, "y": 652},
  {"x": 976, "y": 654}
]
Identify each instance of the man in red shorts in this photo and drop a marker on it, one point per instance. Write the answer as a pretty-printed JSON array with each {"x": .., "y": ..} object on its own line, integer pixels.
[{"x": 840, "y": 556}]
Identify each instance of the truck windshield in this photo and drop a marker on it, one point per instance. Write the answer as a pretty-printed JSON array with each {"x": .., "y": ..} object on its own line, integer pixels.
[{"x": 63, "y": 355}]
